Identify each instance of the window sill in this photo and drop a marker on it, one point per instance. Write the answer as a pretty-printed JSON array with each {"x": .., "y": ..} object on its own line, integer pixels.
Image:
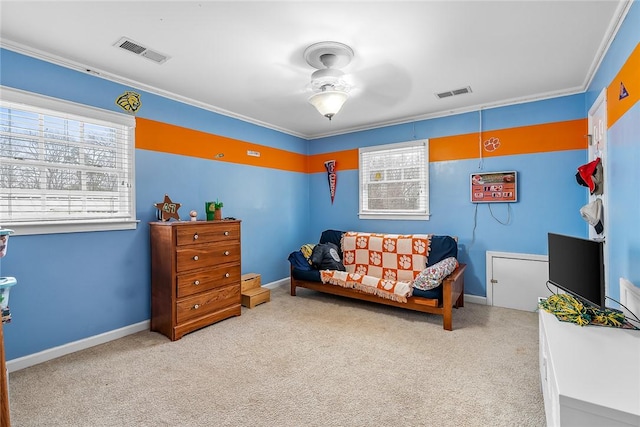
[
  {"x": 26, "y": 229},
  {"x": 402, "y": 217}
]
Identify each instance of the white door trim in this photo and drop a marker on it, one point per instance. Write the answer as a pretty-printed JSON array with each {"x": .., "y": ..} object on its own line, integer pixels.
[{"x": 598, "y": 148}]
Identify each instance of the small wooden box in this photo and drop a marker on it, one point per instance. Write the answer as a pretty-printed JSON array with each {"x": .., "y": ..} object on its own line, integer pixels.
[
  {"x": 255, "y": 296},
  {"x": 249, "y": 281}
]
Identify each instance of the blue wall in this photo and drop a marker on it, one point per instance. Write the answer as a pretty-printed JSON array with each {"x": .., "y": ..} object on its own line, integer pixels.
[
  {"x": 623, "y": 237},
  {"x": 548, "y": 197},
  {"x": 77, "y": 285},
  {"x": 73, "y": 286},
  {"x": 623, "y": 161}
]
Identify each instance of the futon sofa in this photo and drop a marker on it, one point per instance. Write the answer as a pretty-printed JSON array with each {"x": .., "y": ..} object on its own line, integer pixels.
[{"x": 417, "y": 272}]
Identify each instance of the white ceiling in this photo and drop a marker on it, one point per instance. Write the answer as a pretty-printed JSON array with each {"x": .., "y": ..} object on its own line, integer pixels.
[{"x": 245, "y": 59}]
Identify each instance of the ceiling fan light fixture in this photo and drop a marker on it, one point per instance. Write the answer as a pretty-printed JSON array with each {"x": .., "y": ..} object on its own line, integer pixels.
[
  {"x": 330, "y": 90},
  {"x": 327, "y": 77},
  {"x": 328, "y": 102}
]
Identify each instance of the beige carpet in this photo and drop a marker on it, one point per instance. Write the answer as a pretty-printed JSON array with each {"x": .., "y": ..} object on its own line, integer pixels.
[{"x": 310, "y": 360}]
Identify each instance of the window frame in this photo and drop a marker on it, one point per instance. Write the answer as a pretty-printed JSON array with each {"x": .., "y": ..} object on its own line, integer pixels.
[
  {"x": 421, "y": 214},
  {"x": 28, "y": 101}
]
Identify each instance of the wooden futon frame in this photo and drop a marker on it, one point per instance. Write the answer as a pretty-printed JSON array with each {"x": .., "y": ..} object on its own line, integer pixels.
[{"x": 452, "y": 296}]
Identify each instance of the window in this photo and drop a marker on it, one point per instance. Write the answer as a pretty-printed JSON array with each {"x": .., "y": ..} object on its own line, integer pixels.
[
  {"x": 64, "y": 167},
  {"x": 394, "y": 181}
]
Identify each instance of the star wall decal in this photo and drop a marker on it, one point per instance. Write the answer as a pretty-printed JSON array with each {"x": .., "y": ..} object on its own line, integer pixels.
[{"x": 167, "y": 209}]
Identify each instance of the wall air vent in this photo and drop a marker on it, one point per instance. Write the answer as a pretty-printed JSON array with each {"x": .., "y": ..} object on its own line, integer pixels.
[
  {"x": 454, "y": 92},
  {"x": 135, "y": 47}
]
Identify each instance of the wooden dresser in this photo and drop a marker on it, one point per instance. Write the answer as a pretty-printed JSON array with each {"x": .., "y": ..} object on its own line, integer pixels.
[{"x": 195, "y": 275}]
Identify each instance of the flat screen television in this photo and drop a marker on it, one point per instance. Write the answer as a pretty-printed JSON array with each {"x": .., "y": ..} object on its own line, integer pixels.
[{"x": 576, "y": 266}]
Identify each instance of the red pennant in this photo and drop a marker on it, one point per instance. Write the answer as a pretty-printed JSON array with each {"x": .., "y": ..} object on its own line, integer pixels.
[{"x": 330, "y": 165}]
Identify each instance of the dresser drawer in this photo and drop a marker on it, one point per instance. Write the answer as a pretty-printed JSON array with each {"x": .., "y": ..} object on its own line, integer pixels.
[
  {"x": 190, "y": 258},
  {"x": 203, "y": 280},
  {"x": 202, "y": 304},
  {"x": 208, "y": 233}
]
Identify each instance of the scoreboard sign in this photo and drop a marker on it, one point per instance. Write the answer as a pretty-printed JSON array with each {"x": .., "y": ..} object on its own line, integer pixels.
[{"x": 494, "y": 187}]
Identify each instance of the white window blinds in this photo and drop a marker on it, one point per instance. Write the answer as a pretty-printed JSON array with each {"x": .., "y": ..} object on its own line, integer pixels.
[
  {"x": 64, "y": 163},
  {"x": 394, "y": 180}
]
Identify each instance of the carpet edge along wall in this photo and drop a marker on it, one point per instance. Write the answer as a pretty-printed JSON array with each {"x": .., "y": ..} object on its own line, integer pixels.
[{"x": 548, "y": 137}]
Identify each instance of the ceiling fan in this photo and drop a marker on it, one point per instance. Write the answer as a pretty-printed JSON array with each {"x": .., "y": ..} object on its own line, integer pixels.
[{"x": 330, "y": 89}]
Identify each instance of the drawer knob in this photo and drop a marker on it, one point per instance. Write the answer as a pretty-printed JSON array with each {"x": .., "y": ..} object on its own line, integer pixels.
[
  {"x": 195, "y": 236},
  {"x": 195, "y": 258},
  {"x": 226, "y": 233},
  {"x": 226, "y": 252},
  {"x": 227, "y": 275},
  {"x": 197, "y": 306},
  {"x": 197, "y": 282}
]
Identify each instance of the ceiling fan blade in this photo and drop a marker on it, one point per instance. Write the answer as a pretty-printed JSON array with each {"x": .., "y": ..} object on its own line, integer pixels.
[{"x": 385, "y": 84}]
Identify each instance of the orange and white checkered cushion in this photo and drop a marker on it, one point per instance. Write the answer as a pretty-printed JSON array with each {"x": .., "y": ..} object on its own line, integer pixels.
[{"x": 385, "y": 256}]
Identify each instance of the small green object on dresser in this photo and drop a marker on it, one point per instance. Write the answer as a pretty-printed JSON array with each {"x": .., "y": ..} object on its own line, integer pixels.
[{"x": 213, "y": 210}]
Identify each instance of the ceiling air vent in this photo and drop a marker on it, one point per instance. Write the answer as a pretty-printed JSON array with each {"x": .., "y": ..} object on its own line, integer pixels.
[
  {"x": 454, "y": 92},
  {"x": 134, "y": 47}
]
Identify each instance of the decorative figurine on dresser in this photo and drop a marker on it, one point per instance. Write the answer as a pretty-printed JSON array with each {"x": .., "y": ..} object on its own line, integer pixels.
[{"x": 195, "y": 274}]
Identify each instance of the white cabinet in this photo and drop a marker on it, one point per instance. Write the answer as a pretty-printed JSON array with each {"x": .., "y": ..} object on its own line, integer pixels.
[
  {"x": 516, "y": 280},
  {"x": 590, "y": 375}
]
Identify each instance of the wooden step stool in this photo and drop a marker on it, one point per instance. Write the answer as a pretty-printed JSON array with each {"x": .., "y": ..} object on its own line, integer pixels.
[{"x": 252, "y": 293}]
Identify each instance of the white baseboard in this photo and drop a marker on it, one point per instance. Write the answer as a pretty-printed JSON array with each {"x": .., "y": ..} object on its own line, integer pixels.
[
  {"x": 282, "y": 282},
  {"x": 55, "y": 352},
  {"x": 475, "y": 299}
]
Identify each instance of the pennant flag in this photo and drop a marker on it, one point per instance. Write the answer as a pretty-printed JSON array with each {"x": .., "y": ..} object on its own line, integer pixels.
[
  {"x": 623, "y": 92},
  {"x": 330, "y": 165}
]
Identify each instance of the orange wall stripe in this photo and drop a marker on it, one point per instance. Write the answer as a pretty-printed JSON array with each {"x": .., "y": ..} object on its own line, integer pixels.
[
  {"x": 167, "y": 138},
  {"x": 453, "y": 147},
  {"x": 548, "y": 137},
  {"x": 345, "y": 160},
  {"x": 627, "y": 80}
]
